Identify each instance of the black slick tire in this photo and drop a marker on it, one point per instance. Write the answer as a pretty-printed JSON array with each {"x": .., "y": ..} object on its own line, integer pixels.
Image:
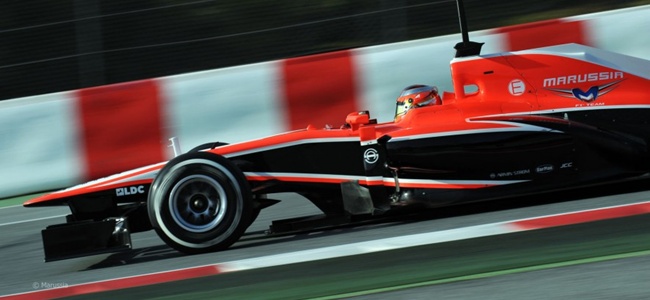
[{"x": 200, "y": 202}]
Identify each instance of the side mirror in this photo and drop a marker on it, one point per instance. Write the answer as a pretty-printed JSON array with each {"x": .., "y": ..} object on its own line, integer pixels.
[{"x": 356, "y": 119}]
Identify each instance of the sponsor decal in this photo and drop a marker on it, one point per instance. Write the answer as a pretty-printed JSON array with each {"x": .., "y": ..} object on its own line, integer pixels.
[
  {"x": 567, "y": 165},
  {"x": 581, "y": 78},
  {"x": 587, "y": 96},
  {"x": 590, "y": 94},
  {"x": 544, "y": 169},
  {"x": 517, "y": 87},
  {"x": 131, "y": 190},
  {"x": 510, "y": 173},
  {"x": 371, "y": 156}
]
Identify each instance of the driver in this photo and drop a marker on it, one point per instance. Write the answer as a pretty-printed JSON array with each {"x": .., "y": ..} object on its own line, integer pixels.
[{"x": 416, "y": 96}]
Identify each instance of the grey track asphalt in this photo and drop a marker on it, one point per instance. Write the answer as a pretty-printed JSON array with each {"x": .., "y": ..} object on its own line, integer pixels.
[
  {"x": 613, "y": 279},
  {"x": 418, "y": 271},
  {"x": 22, "y": 256}
]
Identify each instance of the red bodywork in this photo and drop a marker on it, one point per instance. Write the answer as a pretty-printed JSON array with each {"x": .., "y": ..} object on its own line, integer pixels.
[{"x": 488, "y": 91}]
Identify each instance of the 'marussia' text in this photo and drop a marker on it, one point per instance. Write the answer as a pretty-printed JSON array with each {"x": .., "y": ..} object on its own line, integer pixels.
[{"x": 579, "y": 78}]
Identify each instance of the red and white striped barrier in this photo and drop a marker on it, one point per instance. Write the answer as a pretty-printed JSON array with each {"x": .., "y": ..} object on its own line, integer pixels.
[
  {"x": 339, "y": 251},
  {"x": 56, "y": 140}
]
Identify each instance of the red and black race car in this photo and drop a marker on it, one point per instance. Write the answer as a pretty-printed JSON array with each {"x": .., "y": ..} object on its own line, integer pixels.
[{"x": 517, "y": 123}]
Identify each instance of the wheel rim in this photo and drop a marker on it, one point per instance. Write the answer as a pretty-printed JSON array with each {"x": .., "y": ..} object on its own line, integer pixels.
[{"x": 197, "y": 203}]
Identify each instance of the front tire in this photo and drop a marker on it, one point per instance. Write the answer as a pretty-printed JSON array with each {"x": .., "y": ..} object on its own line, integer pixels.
[{"x": 200, "y": 202}]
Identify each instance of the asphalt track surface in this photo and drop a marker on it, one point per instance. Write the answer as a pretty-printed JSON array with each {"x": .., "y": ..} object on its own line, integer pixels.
[
  {"x": 23, "y": 268},
  {"x": 613, "y": 279}
]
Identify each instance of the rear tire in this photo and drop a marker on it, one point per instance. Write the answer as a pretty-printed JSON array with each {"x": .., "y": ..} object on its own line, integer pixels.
[{"x": 200, "y": 202}]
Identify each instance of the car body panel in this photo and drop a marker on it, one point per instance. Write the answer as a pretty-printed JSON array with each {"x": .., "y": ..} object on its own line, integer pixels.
[
  {"x": 532, "y": 93},
  {"x": 516, "y": 123}
]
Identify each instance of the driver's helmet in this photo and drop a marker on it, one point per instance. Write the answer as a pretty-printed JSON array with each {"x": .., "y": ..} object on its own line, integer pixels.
[{"x": 416, "y": 96}]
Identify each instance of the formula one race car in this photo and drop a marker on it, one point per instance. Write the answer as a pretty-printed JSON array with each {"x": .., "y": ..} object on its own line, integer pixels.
[{"x": 517, "y": 123}]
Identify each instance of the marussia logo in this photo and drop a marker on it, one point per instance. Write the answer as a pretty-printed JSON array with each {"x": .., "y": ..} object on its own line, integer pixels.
[{"x": 587, "y": 96}]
